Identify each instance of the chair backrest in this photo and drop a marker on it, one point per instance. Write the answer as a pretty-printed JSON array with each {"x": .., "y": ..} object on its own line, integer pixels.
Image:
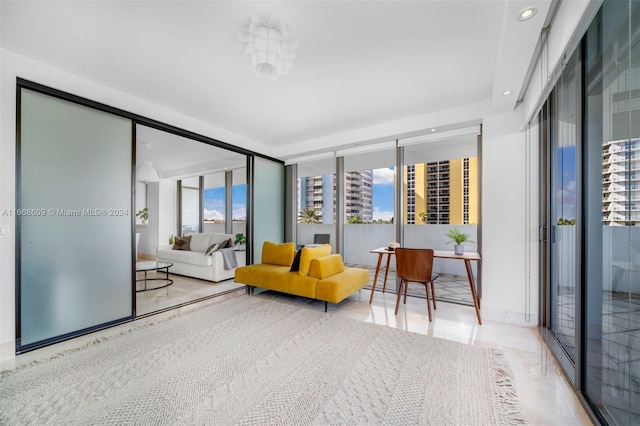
[
  {"x": 321, "y": 238},
  {"x": 414, "y": 264}
]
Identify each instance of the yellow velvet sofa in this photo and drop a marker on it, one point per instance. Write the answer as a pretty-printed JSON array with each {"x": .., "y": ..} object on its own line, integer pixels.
[{"x": 318, "y": 274}]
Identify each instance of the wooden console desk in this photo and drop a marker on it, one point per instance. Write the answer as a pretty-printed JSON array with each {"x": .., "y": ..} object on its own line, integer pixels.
[{"x": 467, "y": 257}]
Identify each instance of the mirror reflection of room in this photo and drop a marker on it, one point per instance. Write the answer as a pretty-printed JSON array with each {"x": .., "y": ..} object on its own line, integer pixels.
[{"x": 186, "y": 190}]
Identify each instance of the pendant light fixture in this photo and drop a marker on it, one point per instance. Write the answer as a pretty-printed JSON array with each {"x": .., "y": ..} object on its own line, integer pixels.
[{"x": 146, "y": 172}]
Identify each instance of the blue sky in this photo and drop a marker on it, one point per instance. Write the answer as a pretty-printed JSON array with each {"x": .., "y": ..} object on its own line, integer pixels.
[
  {"x": 214, "y": 202},
  {"x": 566, "y": 184},
  {"x": 383, "y": 193},
  {"x": 382, "y": 198}
]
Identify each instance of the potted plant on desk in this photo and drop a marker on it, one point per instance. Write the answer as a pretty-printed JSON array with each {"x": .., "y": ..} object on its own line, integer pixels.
[{"x": 458, "y": 238}]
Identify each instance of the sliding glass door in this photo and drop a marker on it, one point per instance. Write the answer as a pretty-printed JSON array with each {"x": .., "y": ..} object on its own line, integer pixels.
[
  {"x": 612, "y": 262},
  {"x": 267, "y": 204},
  {"x": 75, "y": 242},
  {"x": 565, "y": 253},
  {"x": 592, "y": 287}
]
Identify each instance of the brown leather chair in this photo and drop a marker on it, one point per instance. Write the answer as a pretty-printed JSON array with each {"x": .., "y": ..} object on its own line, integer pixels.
[{"x": 415, "y": 265}]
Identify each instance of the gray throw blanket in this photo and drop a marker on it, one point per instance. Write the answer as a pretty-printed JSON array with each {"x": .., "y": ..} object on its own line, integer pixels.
[{"x": 229, "y": 258}]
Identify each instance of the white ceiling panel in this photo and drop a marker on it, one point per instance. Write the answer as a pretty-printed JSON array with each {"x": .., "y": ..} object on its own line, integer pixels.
[{"x": 358, "y": 64}]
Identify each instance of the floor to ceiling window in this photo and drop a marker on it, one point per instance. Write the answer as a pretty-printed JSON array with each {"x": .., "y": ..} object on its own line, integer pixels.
[
  {"x": 239, "y": 201},
  {"x": 214, "y": 202},
  {"x": 190, "y": 205},
  {"x": 593, "y": 247},
  {"x": 316, "y": 201},
  {"x": 440, "y": 191},
  {"x": 361, "y": 202},
  {"x": 564, "y": 210}
]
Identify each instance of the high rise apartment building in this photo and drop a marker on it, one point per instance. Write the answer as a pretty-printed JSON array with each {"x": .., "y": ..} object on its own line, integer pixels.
[
  {"x": 621, "y": 182},
  {"x": 318, "y": 193},
  {"x": 358, "y": 191},
  {"x": 446, "y": 190}
]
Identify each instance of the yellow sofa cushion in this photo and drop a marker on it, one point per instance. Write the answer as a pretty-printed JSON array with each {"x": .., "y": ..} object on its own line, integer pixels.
[
  {"x": 338, "y": 287},
  {"x": 278, "y": 278},
  {"x": 310, "y": 253},
  {"x": 278, "y": 254},
  {"x": 323, "y": 267}
]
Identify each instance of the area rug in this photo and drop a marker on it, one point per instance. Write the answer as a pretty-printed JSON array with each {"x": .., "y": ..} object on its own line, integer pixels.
[{"x": 254, "y": 361}]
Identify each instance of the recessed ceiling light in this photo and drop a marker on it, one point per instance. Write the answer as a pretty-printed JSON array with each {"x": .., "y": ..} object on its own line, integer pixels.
[
  {"x": 433, "y": 130},
  {"x": 527, "y": 13},
  {"x": 507, "y": 92}
]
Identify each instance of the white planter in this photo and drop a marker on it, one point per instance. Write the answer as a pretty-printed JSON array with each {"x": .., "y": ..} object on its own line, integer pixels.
[{"x": 458, "y": 249}]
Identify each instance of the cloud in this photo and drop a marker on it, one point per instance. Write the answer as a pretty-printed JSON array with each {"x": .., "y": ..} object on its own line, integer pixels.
[
  {"x": 384, "y": 176},
  {"x": 213, "y": 204},
  {"x": 566, "y": 199},
  {"x": 378, "y": 214},
  {"x": 212, "y": 214},
  {"x": 239, "y": 212}
]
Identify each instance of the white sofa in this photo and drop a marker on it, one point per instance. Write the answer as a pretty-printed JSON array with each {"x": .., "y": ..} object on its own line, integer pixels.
[{"x": 195, "y": 263}]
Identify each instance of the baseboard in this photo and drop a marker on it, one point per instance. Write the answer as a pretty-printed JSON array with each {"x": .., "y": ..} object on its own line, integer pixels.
[
  {"x": 145, "y": 256},
  {"x": 509, "y": 317},
  {"x": 7, "y": 351}
]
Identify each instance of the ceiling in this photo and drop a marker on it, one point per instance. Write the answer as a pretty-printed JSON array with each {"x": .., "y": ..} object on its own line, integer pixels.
[
  {"x": 358, "y": 64},
  {"x": 176, "y": 157}
]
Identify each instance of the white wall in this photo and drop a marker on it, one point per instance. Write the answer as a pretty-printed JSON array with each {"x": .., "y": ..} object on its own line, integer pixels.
[
  {"x": 506, "y": 295},
  {"x": 167, "y": 208},
  {"x": 141, "y": 198},
  {"x": 149, "y": 232}
]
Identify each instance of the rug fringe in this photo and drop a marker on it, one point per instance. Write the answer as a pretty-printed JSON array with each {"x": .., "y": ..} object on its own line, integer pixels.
[{"x": 506, "y": 399}]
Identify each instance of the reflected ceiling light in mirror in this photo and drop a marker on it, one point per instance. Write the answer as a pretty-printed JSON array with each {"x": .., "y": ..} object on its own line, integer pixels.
[
  {"x": 146, "y": 172},
  {"x": 268, "y": 47}
]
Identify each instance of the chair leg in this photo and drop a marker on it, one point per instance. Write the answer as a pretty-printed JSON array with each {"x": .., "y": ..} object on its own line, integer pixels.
[
  {"x": 428, "y": 303},
  {"x": 399, "y": 294},
  {"x": 433, "y": 293},
  {"x": 406, "y": 288}
]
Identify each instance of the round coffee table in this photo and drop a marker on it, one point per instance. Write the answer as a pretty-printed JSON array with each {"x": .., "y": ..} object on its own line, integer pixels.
[{"x": 154, "y": 266}]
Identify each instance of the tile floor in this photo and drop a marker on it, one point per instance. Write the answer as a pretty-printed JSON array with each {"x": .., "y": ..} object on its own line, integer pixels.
[
  {"x": 183, "y": 290},
  {"x": 449, "y": 288}
]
